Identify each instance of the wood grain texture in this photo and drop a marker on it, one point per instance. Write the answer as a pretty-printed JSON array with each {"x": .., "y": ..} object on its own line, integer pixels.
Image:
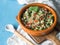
[
  {"x": 51, "y": 36},
  {"x": 38, "y": 39}
]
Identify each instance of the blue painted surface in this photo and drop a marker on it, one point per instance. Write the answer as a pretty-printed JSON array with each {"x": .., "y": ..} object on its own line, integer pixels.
[{"x": 8, "y": 12}]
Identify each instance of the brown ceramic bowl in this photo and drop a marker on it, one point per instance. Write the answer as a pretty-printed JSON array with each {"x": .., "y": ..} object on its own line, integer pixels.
[{"x": 41, "y": 32}]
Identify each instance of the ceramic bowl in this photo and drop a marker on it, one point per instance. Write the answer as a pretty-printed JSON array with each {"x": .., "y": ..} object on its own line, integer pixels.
[{"x": 41, "y": 32}]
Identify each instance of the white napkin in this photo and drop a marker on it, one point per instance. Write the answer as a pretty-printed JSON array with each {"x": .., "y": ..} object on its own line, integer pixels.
[
  {"x": 30, "y": 1},
  {"x": 14, "y": 40}
]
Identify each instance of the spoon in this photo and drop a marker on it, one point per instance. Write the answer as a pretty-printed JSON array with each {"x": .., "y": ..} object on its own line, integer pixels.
[{"x": 10, "y": 27}]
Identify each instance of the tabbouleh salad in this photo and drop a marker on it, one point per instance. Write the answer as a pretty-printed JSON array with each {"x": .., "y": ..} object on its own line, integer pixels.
[{"x": 37, "y": 18}]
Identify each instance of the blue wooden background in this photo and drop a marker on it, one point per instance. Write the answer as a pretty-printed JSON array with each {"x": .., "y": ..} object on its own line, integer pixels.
[{"x": 8, "y": 12}]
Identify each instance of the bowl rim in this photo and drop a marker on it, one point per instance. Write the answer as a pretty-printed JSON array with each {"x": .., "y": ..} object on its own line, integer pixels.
[{"x": 48, "y": 7}]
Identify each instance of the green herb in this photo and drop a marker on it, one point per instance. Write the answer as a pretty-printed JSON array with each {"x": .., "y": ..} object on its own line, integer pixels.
[{"x": 35, "y": 8}]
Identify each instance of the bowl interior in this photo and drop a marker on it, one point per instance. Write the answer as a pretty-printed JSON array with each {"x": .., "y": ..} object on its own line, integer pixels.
[{"x": 39, "y": 5}]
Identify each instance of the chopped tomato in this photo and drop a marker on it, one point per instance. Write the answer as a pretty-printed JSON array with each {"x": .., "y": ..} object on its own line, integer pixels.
[
  {"x": 35, "y": 14},
  {"x": 48, "y": 16},
  {"x": 28, "y": 25},
  {"x": 45, "y": 9},
  {"x": 35, "y": 20}
]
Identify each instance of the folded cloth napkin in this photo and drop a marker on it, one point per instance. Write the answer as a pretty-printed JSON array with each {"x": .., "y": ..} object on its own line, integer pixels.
[{"x": 14, "y": 40}]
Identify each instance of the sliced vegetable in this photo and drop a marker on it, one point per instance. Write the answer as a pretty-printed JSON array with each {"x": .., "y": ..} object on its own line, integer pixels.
[{"x": 37, "y": 18}]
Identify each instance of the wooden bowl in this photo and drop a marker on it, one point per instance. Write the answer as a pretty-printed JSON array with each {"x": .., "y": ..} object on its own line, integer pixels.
[{"x": 41, "y": 32}]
